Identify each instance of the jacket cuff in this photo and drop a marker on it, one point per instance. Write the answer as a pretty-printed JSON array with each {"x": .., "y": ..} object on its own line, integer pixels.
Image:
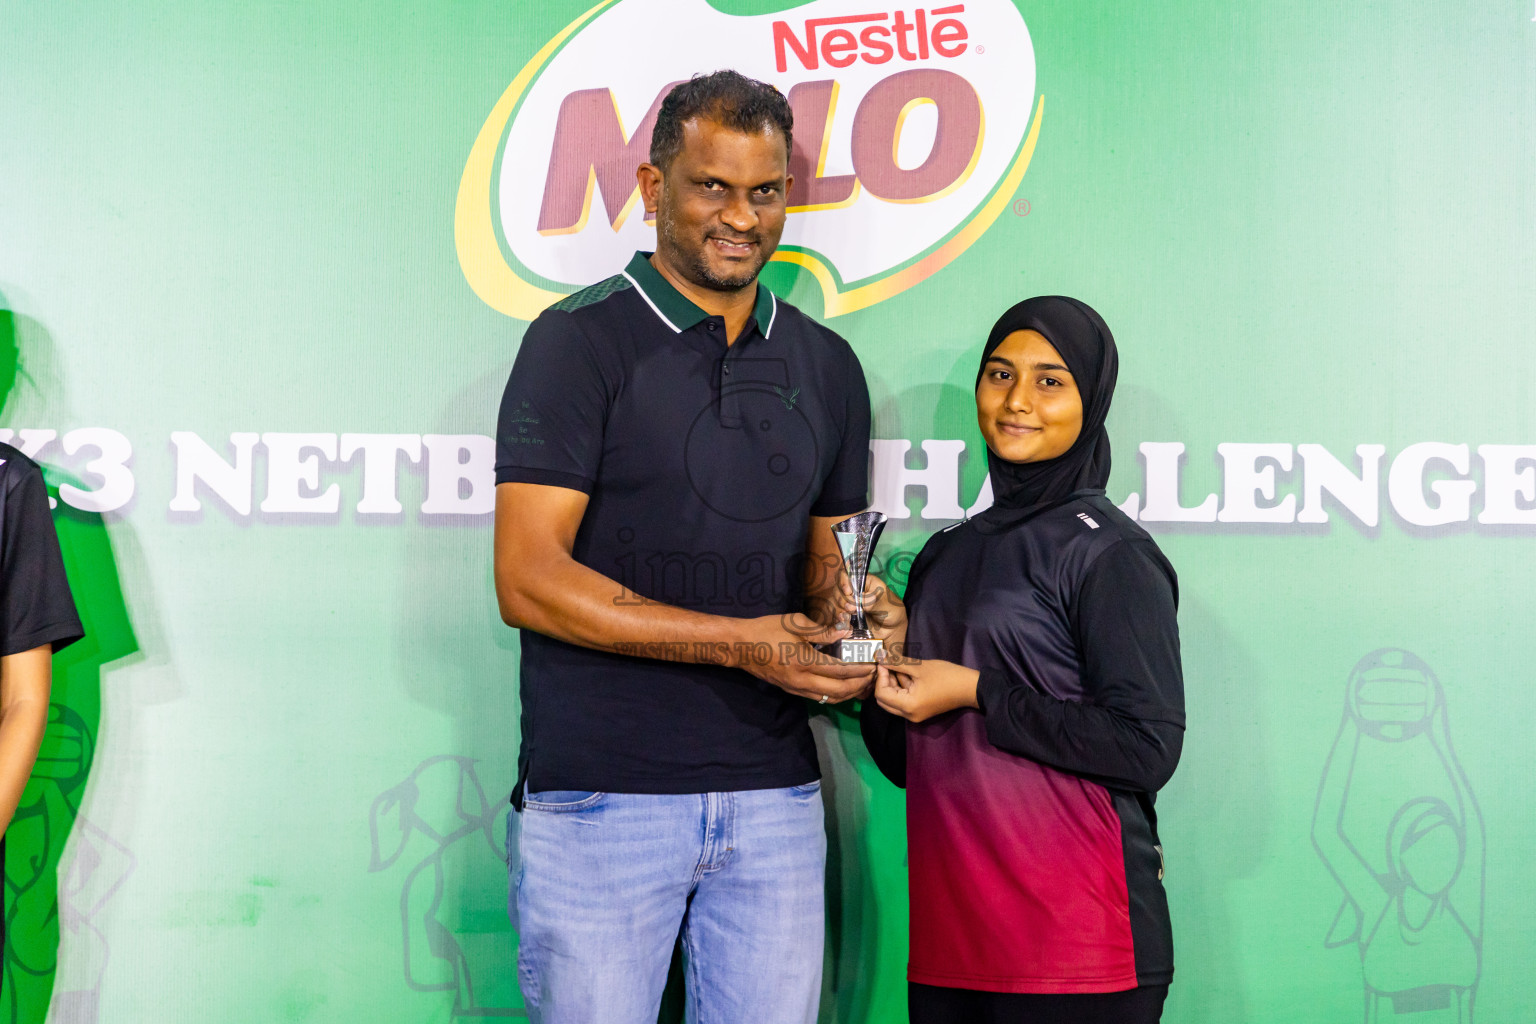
[{"x": 990, "y": 689}]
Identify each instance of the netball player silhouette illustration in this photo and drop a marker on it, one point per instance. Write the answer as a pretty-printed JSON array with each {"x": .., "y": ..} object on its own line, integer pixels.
[
  {"x": 1398, "y": 827},
  {"x": 439, "y": 821}
]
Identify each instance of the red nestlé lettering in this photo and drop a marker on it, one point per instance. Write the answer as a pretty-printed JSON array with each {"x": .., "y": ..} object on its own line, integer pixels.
[{"x": 873, "y": 38}]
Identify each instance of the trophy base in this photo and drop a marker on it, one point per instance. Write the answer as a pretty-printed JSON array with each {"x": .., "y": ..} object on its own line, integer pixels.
[{"x": 851, "y": 651}]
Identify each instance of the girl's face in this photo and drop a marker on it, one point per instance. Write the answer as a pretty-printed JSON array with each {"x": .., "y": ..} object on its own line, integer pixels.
[{"x": 1027, "y": 403}]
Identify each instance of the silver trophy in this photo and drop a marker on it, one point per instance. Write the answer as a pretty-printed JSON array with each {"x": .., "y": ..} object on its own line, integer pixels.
[{"x": 856, "y": 538}]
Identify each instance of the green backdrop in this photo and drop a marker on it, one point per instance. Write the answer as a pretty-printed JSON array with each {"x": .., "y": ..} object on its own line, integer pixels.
[{"x": 274, "y": 784}]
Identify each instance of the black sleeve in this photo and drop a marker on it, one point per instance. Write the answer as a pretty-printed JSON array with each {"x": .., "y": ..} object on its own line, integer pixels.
[
  {"x": 846, "y": 488},
  {"x": 1128, "y": 730},
  {"x": 885, "y": 735},
  {"x": 550, "y": 430},
  {"x": 36, "y": 607}
]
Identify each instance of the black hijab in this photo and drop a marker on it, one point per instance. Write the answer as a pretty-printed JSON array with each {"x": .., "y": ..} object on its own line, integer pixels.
[{"x": 1088, "y": 349}]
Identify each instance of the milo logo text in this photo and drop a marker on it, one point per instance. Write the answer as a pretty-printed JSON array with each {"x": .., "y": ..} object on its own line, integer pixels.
[{"x": 590, "y": 151}]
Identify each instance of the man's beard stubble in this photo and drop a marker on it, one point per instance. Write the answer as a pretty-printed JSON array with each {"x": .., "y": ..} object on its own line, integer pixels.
[{"x": 696, "y": 264}]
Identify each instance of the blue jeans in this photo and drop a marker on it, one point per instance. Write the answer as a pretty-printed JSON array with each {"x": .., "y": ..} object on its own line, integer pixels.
[{"x": 607, "y": 880}]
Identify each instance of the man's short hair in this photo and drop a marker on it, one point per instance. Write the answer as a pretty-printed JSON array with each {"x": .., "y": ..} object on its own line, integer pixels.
[{"x": 728, "y": 98}]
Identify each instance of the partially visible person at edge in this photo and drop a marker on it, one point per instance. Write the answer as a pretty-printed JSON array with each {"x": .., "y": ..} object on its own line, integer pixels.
[
  {"x": 1046, "y": 712},
  {"x": 37, "y": 619},
  {"x": 673, "y": 446}
]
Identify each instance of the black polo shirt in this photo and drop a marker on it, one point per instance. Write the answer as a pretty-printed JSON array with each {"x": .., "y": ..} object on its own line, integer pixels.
[
  {"x": 703, "y": 464},
  {"x": 35, "y": 604},
  {"x": 36, "y": 607}
]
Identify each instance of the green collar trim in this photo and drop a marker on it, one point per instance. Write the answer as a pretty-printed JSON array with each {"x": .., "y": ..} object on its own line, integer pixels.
[{"x": 676, "y": 310}]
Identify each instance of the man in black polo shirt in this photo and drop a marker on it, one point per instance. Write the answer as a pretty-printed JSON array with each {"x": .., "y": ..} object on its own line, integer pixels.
[{"x": 673, "y": 446}]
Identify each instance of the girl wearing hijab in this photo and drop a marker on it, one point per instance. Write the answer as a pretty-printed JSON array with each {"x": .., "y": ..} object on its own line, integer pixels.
[{"x": 1046, "y": 711}]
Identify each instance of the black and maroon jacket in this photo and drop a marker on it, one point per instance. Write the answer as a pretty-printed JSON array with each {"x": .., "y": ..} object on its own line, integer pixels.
[{"x": 1035, "y": 864}]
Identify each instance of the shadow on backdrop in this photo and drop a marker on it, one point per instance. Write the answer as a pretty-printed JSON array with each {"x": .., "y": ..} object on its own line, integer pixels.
[
  {"x": 38, "y": 905},
  {"x": 440, "y": 829}
]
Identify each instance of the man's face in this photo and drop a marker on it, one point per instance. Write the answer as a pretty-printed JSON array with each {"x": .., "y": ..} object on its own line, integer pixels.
[{"x": 720, "y": 205}]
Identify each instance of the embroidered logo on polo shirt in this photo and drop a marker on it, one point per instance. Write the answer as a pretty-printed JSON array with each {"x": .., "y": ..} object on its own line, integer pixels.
[
  {"x": 787, "y": 397},
  {"x": 524, "y": 421}
]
